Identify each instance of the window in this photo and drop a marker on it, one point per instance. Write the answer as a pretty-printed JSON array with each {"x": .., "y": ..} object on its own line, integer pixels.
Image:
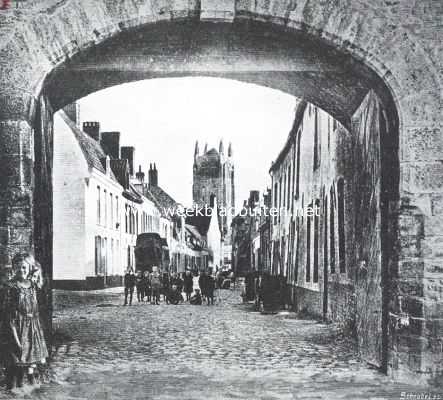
[
  {"x": 316, "y": 239},
  {"x": 105, "y": 256},
  {"x": 111, "y": 257},
  {"x": 332, "y": 230},
  {"x": 329, "y": 133},
  {"x": 105, "y": 216},
  {"x": 98, "y": 206},
  {"x": 341, "y": 225},
  {"x": 126, "y": 219},
  {"x": 325, "y": 234},
  {"x": 308, "y": 247},
  {"x": 111, "y": 209},
  {"x": 284, "y": 190},
  {"x": 316, "y": 141},
  {"x": 275, "y": 200},
  {"x": 297, "y": 191},
  {"x": 297, "y": 249},
  {"x": 98, "y": 255},
  {"x": 289, "y": 187},
  {"x": 117, "y": 212},
  {"x": 279, "y": 198}
]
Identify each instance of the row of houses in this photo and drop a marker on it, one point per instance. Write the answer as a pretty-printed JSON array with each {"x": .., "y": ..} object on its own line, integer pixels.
[
  {"x": 101, "y": 205},
  {"x": 324, "y": 237}
]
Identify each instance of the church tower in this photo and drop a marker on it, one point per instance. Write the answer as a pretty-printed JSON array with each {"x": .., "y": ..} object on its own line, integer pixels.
[{"x": 214, "y": 177}]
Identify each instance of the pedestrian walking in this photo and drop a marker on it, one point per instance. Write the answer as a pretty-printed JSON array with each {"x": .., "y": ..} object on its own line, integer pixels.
[
  {"x": 129, "y": 282},
  {"x": 166, "y": 285},
  {"x": 155, "y": 285},
  {"x": 188, "y": 285},
  {"x": 139, "y": 286},
  {"x": 203, "y": 284},
  {"x": 22, "y": 343},
  {"x": 210, "y": 288},
  {"x": 219, "y": 284}
]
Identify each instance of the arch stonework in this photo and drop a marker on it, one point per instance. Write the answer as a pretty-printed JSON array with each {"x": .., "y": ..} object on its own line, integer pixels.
[{"x": 398, "y": 41}]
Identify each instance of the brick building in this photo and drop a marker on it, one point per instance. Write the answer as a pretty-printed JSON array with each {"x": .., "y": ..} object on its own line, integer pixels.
[{"x": 326, "y": 239}]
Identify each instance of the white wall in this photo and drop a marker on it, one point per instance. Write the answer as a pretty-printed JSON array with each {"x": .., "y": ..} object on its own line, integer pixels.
[{"x": 69, "y": 173}]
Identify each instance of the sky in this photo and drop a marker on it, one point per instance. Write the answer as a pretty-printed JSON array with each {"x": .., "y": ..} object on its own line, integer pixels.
[{"x": 162, "y": 119}]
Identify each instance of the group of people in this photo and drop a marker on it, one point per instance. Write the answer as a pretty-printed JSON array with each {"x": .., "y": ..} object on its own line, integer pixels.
[
  {"x": 23, "y": 350},
  {"x": 150, "y": 286}
]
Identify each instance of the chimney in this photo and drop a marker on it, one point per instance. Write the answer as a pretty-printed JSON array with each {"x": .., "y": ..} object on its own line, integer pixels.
[
  {"x": 254, "y": 198},
  {"x": 73, "y": 112},
  {"x": 153, "y": 176},
  {"x": 110, "y": 142},
  {"x": 140, "y": 175},
  {"x": 92, "y": 129},
  {"x": 128, "y": 153}
]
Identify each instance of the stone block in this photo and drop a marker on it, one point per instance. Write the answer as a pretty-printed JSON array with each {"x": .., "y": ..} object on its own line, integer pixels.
[
  {"x": 412, "y": 343},
  {"x": 433, "y": 289},
  {"x": 20, "y": 217},
  {"x": 411, "y": 225},
  {"x": 411, "y": 287},
  {"x": 417, "y": 326},
  {"x": 413, "y": 306},
  {"x": 423, "y": 144},
  {"x": 432, "y": 247},
  {"x": 437, "y": 204},
  {"x": 433, "y": 309},
  {"x": 410, "y": 246},
  {"x": 434, "y": 327},
  {"x": 425, "y": 178},
  {"x": 433, "y": 225},
  {"x": 411, "y": 269},
  {"x": 20, "y": 236}
]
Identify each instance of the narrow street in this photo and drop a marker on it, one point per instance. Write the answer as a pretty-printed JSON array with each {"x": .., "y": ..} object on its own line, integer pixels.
[{"x": 225, "y": 351}]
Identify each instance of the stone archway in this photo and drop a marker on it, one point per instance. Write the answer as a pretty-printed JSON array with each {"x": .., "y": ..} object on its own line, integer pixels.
[{"x": 330, "y": 53}]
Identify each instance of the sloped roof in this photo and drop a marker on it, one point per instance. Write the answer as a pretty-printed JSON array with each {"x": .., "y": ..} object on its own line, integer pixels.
[
  {"x": 299, "y": 112},
  {"x": 93, "y": 152},
  {"x": 120, "y": 169},
  {"x": 200, "y": 222},
  {"x": 161, "y": 199}
]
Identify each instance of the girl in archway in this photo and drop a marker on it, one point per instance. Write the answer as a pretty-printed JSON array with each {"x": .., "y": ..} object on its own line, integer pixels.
[{"x": 23, "y": 343}]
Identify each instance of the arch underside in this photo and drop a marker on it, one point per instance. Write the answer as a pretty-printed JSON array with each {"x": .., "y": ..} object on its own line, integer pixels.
[{"x": 252, "y": 52}]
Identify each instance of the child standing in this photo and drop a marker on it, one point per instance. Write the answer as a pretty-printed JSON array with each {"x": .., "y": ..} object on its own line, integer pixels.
[{"x": 23, "y": 344}]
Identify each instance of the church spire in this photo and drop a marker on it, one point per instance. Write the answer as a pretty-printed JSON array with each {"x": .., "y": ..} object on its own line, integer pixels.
[
  {"x": 197, "y": 150},
  {"x": 230, "y": 153},
  {"x": 206, "y": 148},
  {"x": 221, "y": 149}
]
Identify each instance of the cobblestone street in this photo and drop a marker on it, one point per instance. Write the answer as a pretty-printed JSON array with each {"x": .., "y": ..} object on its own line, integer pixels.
[{"x": 226, "y": 351}]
